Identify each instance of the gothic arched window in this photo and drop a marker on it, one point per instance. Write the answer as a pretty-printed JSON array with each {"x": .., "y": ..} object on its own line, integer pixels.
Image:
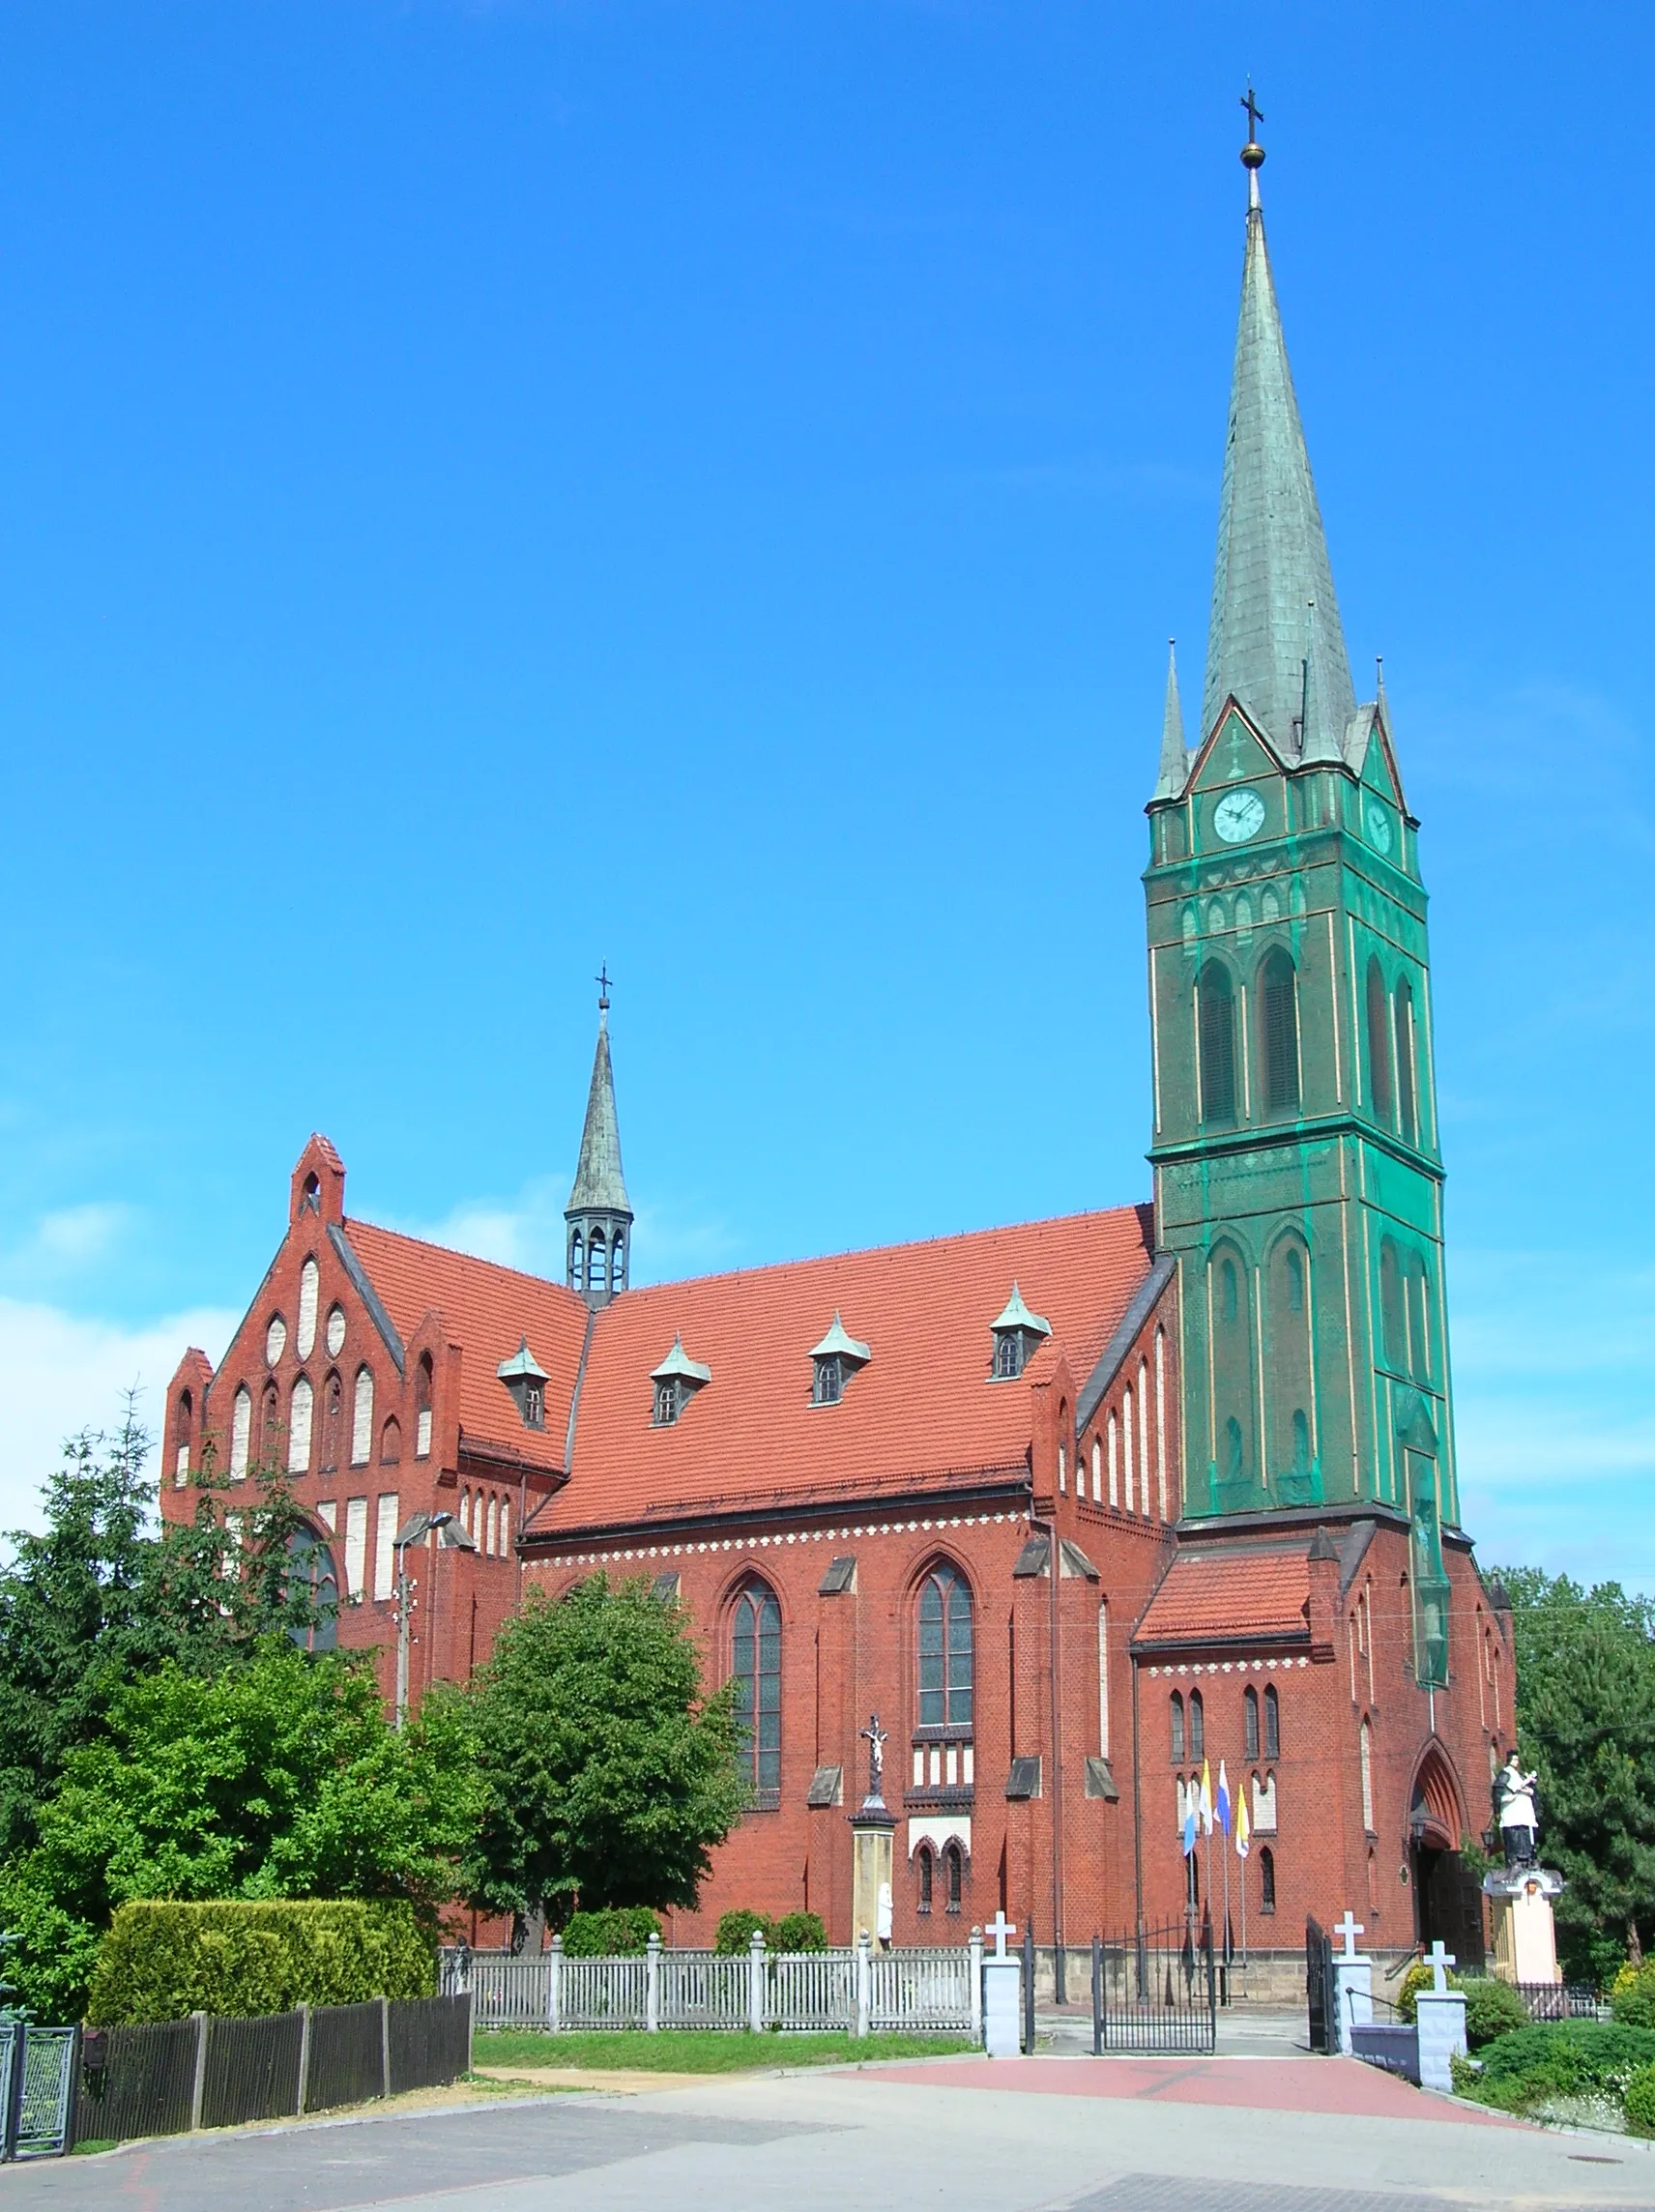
[
  {"x": 1367, "y": 1751},
  {"x": 1175, "y": 1714},
  {"x": 1379, "y": 1096},
  {"x": 924, "y": 1868},
  {"x": 362, "y": 1418},
  {"x": 618, "y": 1263},
  {"x": 1250, "y": 1724},
  {"x": 1278, "y": 1008},
  {"x": 241, "y": 1433},
  {"x": 270, "y": 1426},
  {"x": 755, "y": 1663},
  {"x": 422, "y": 1406},
  {"x": 577, "y": 1261},
  {"x": 184, "y": 1422},
  {"x": 1393, "y": 1315},
  {"x": 1233, "y": 1375},
  {"x": 332, "y": 1421},
  {"x": 944, "y": 1649},
  {"x": 299, "y": 1409},
  {"x": 1407, "y": 1104},
  {"x": 1217, "y": 1000},
  {"x": 1288, "y": 1364},
  {"x": 1266, "y": 1879},
  {"x": 1272, "y": 1723},
  {"x": 1197, "y": 1727},
  {"x": 954, "y": 1875},
  {"x": 390, "y": 1442}
]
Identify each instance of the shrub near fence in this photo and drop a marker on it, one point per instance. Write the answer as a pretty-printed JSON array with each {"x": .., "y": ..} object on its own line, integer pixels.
[{"x": 162, "y": 1959}]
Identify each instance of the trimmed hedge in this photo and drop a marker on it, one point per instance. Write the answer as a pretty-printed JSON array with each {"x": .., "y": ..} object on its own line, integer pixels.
[
  {"x": 238, "y": 1959},
  {"x": 618, "y": 1932},
  {"x": 1631, "y": 1997},
  {"x": 1641, "y": 2103},
  {"x": 793, "y": 1931},
  {"x": 1492, "y": 2008}
]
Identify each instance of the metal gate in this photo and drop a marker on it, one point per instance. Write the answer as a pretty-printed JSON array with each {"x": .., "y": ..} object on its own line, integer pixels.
[
  {"x": 1319, "y": 1988},
  {"x": 37, "y": 2066},
  {"x": 1156, "y": 1991}
]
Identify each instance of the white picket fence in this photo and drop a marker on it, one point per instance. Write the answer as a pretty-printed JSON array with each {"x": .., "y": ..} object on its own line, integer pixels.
[{"x": 859, "y": 1991}]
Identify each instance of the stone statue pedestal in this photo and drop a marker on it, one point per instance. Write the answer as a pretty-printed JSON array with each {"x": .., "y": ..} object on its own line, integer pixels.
[
  {"x": 873, "y": 1828},
  {"x": 1526, "y": 1938}
]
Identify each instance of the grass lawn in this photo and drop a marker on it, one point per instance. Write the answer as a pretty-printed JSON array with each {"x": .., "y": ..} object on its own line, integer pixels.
[{"x": 693, "y": 2051}]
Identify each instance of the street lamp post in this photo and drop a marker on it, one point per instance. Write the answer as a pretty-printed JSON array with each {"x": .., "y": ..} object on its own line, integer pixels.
[{"x": 413, "y": 1531}]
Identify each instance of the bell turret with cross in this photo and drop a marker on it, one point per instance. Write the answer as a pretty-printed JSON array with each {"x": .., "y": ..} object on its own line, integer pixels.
[{"x": 598, "y": 1214}]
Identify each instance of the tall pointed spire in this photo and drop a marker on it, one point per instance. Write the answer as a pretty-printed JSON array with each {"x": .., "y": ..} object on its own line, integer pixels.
[
  {"x": 1174, "y": 759},
  {"x": 1272, "y": 553},
  {"x": 600, "y": 1213}
]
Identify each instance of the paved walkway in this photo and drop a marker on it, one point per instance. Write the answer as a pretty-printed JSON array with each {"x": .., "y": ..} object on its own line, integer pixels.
[{"x": 902, "y": 2138}]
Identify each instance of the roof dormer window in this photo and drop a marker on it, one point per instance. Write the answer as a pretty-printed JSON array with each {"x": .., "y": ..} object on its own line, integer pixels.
[
  {"x": 1018, "y": 1334},
  {"x": 526, "y": 1380},
  {"x": 677, "y": 1379},
  {"x": 836, "y": 1358}
]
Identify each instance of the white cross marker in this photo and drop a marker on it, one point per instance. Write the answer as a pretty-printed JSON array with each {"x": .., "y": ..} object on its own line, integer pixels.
[
  {"x": 999, "y": 1928},
  {"x": 1439, "y": 1962},
  {"x": 1350, "y": 1927}
]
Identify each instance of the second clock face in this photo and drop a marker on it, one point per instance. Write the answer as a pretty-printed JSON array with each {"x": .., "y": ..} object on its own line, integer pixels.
[
  {"x": 1239, "y": 816},
  {"x": 1379, "y": 827}
]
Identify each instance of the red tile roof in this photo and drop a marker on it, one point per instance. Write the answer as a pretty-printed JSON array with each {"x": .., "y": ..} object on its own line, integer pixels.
[
  {"x": 1217, "y": 1597},
  {"x": 923, "y": 1407},
  {"x": 487, "y": 1309}
]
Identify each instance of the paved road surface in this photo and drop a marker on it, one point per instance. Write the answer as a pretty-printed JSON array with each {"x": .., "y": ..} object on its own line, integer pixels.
[{"x": 976, "y": 2136}]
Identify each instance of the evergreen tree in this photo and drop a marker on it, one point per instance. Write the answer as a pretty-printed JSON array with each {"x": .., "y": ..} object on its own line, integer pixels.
[
  {"x": 607, "y": 1777},
  {"x": 1585, "y": 1714}
]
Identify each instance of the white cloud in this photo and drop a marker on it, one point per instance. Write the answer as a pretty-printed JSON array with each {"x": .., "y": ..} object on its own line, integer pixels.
[
  {"x": 60, "y": 1373},
  {"x": 529, "y": 1232}
]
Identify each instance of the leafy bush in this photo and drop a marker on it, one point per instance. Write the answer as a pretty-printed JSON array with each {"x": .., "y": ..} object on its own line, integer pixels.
[
  {"x": 617, "y": 1931},
  {"x": 1492, "y": 2008},
  {"x": 1562, "y": 2058},
  {"x": 238, "y": 1959},
  {"x": 1421, "y": 1977},
  {"x": 1641, "y": 2103},
  {"x": 800, "y": 1932},
  {"x": 737, "y": 1929},
  {"x": 1631, "y": 1997}
]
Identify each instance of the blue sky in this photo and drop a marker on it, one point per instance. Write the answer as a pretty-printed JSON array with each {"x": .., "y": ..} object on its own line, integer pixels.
[{"x": 493, "y": 488}]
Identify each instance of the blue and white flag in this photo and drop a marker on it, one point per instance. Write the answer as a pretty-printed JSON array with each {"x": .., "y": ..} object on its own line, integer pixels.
[{"x": 1223, "y": 1799}]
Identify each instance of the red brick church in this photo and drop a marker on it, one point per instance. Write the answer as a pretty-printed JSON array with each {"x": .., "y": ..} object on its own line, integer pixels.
[{"x": 1078, "y": 1507}]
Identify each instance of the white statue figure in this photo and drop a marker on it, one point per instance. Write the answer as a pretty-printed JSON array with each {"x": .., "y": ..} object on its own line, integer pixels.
[
  {"x": 1517, "y": 1819},
  {"x": 875, "y": 1737}
]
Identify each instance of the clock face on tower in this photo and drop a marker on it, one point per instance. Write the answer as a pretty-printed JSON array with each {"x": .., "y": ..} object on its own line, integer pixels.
[
  {"x": 1239, "y": 816},
  {"x": 1379, "y": 827}
]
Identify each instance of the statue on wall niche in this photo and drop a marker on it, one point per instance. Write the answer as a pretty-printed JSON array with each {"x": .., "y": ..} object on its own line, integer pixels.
[{"x": 1518, "y": 1825}]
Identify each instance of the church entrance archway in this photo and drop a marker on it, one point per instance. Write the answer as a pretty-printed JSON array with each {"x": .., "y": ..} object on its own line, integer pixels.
[{"x": 1447, "y": 1896}]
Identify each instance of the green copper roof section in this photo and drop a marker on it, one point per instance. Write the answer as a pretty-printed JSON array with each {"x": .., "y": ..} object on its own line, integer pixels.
[
  {"x": 1275, "y": 618},
  {"x": 838, "y": 1340},
  {"x": 679, "y": 1367},
  {"x": 599, "y": 1186},
  {"x": 521, "y": 1364},
  {"x": 1174, "y": 757},
  {"x": 1016, "y": 1315}
]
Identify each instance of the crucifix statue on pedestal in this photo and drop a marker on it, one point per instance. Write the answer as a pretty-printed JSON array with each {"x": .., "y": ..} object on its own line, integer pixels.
[{"x": 874, "y": 1736}]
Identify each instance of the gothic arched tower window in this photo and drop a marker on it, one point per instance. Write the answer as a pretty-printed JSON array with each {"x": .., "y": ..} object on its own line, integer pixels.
[
  {"x": 1407, "y": 1107},
  {"x": 1278, "y": 1003},
  {"x": 1231, "y": 1306},
  {"x": 1215, "y": 998},
  {"x": 1289, "y": 1368},
  {"x": 1380, "y": 1094}
]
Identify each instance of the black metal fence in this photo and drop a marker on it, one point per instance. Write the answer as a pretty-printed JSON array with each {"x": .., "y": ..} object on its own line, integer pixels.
[
  {"x": 1156, "y": 1989},
  {"x": 206, "y": 2072}
]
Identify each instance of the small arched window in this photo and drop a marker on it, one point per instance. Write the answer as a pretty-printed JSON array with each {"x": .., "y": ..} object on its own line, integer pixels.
[
  {"x": 1096, "y": 1472},
  {"x": 1278, "y": 1014},
  {"x": 1113, "y": 1459},
  {"x": 1197, "y": 1727},
  {"x": 1266, "y": 1879},
  {"x": 183, "y": 1429},
  {"x": 270, "y": 1426},
  {"x": 1367, "y": 1751},
  {"x": 493, "y": 1524},
  {"x": 1176, "y": 1715},
  {"x": 332, "y": 1421},
  {"x": 1126, "y": 1440},
  {"x": 1272, "y": 1723},
  {"x": 755, "y": 1662},
  {"x": 390, "y": 1442},
  {"x": 1250, "y": 1724},
  {"x": 422, "y": 1406},
  {"x": 577, "y": 1261},
  {"x": 301, "y": 1407},
  {"x": 505, "y": 1527},
  {"x": 1216, "y": 1036},
  {"x": 240, "y": 1434},
  {"x": 596, "y": 1262},
  {"x": 465, "y": 1511},
  {"x": 618, "y": 1263},
  {"x": 1143, "y": 1438},
  {"x": 945, "y": 1649},
  {"x": 362, "y": 1418},
  {"x": 1407, "y": 1103},
  {"x": 309, "y": 1287},
  {"x": 923, "y": 1866},
  {"x": 953, "y": 1871},
  {"x": 1380, "y": 1094}
]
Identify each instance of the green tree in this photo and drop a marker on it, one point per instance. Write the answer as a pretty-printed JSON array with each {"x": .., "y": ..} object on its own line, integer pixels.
[
  {"x": 608, "y": 1777},
  {"x": 103, "y": 1595},
  {"x": 1586, "y": 1716},
  {"x": 278, "y": 1776}
]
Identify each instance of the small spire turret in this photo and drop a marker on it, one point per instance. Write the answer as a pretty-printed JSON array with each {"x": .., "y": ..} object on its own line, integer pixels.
[
  {"x": 1174, "y": 757},
  {"x": 598, "y": 1214}
]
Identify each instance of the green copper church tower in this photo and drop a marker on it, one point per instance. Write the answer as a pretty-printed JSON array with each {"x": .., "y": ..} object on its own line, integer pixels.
[{"x": 1299, "y": 1179}]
